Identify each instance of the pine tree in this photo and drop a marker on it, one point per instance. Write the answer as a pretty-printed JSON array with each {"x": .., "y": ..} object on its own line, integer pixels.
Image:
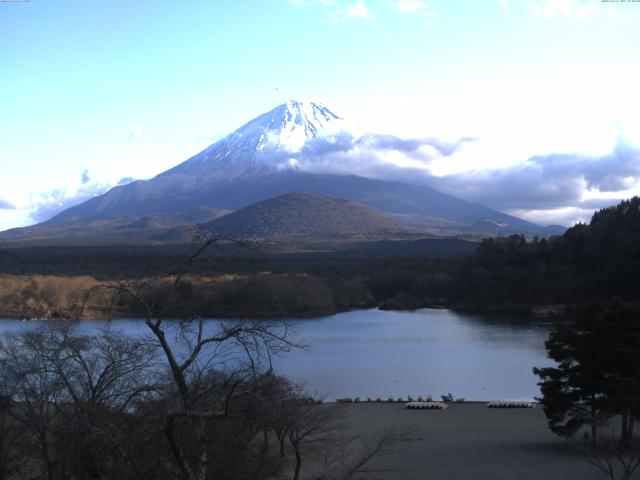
[{"x": 597, "y": 374}]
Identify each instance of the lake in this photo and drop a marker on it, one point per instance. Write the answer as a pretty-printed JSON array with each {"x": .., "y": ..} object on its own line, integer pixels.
[{"x": 375, "y": 353}]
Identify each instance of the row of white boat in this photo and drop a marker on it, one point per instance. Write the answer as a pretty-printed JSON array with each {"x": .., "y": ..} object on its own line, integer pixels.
[
  {"x": 510, "y": 404},
  {"x": 428, "y": 403},
  {"x": 445, "y": 398},
  {"x": 444, "y": 405}
]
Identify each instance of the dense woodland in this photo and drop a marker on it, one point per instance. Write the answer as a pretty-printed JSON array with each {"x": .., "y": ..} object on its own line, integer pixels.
[
  {"x": 254, "y": 288},
  {"x": 599, "y": 260}
]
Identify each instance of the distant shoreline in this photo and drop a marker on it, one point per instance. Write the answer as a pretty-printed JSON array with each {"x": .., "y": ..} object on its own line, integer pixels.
[{"x": 543, "y": 312}]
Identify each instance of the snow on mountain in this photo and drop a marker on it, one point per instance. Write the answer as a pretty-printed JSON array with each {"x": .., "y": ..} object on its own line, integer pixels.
[
  {"x": 260, "y": 161},
  {"x": 292, "y": 124},
  {"x": 264, "y": 143}
]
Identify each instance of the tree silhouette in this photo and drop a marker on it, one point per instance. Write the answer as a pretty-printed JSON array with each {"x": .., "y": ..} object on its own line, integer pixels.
[{"x": 597, "y": 375}]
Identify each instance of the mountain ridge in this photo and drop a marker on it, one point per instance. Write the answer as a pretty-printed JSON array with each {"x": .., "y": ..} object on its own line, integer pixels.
[
  {"x": 252, "y": 148},
  {"x": 250, "y": 165}
]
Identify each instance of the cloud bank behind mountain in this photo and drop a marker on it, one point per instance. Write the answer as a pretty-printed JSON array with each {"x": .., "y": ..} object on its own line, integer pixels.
[
  {"x": 564, "y": 186},
  {"x": 557, "y": 188}
]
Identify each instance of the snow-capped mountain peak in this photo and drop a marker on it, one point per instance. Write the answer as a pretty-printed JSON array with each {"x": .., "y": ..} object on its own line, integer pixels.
[
  {"x": 264, "y": 143},
  {"x": 289, "y": 126}
]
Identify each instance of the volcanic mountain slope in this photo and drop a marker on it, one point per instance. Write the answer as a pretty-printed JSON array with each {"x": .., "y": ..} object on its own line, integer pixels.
[
  {"x": 223, "y": 176},
  {"x": 262, "y": 145},
  {"x": 299, "y": 214},
  {"x": 253, "y": 164}
]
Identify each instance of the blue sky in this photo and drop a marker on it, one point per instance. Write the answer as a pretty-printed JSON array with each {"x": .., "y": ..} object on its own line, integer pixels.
[{"x": 93, "y": 92}]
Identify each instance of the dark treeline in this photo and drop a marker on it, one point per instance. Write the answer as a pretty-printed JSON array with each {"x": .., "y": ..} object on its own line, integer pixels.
[
  {"x": 600, "y": 260},
  {"x": 132, "y": 262},
  {"x": 233, "y": 281},
  {"x": 266, "y": 288}
]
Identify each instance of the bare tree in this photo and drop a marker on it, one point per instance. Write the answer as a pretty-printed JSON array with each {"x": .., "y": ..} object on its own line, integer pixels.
[
  {"x": 186, "y": 401},
  {"x": 191, "y": 350},
  {"x": 617, "y": 459},
  {"x": 309, "y": 425},
  {"x": 316, "y": 432},
  {"x": 102, "y": 376},
  {"x": 9, "y": 434},
  {"x": 35, "y": 389},
  {"x": 73, "y": 395},
  {"x": 285, "y": 400},
  {"x": 344, "y": 457}
]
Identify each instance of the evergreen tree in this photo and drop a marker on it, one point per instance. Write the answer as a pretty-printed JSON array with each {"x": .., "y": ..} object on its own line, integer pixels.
[
  {"x": 572, "y": 392},
  {"x": 597, "y": 374}
]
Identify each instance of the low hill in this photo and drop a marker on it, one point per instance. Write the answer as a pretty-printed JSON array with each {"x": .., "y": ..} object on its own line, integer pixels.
[{"x": 302, "y": 215}]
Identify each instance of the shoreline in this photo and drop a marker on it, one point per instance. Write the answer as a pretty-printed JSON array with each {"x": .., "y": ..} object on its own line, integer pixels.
[{"x": 543, "y": 312}]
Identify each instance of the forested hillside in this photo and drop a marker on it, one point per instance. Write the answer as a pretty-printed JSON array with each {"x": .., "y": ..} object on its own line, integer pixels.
[{"x": 600, "y": 260}]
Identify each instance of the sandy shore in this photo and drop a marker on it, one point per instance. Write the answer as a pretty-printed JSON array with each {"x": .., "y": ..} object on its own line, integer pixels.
[{"x": 469, "y": 441}]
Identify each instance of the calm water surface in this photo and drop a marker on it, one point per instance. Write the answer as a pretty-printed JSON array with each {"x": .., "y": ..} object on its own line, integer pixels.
[{"x": 370, "y": 353}]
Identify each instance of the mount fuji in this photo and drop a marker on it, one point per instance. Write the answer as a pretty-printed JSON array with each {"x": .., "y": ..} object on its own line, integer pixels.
[
  {"x": 263, "y": 145},
  {"x": 258, "y": 161}
]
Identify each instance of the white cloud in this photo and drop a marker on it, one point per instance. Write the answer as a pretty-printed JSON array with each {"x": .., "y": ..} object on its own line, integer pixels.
[
  {"x": 339, "y": 10},
  {"x": 45, "y": 205},
  {"x": 14, "y": 218},
  {"x": 5, "y": 205},
  {"x": 370, "y": 155},
  {"x": 359, "y": 10},
  {"x": 418, "y": 8},
  {"x": 298, "y": 3},
  {"x": 589, "y": 10},
  {"x": 551, "y": 9},
  {"x": 504, "y": 3},
  {"x": 567, "y": 216},
  {"x": 135, "y": 131},
  {"x": 343, "y": 10},
  {"x": 559, "y": 188},
  {"x": 411, "y": 6}
]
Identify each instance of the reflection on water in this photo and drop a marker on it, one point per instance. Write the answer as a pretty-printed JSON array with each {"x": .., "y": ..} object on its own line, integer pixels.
[
  {"x": 370, "y": 353},
  {"x": 381, "y": 353}
]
